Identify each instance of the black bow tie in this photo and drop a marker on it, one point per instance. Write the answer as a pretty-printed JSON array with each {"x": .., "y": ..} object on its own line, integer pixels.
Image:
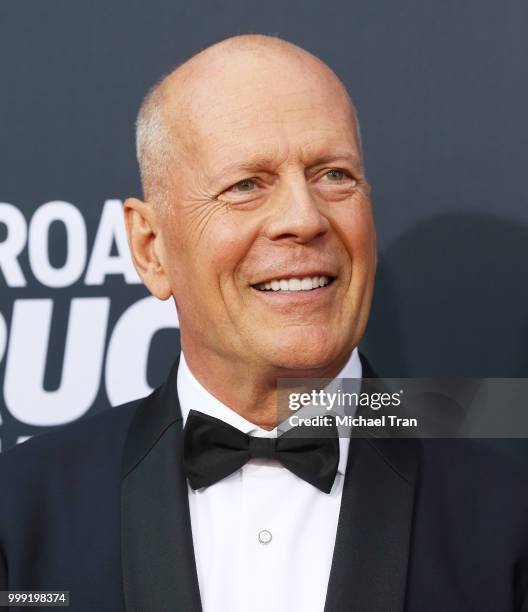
[{"x": 213, "y": 450}]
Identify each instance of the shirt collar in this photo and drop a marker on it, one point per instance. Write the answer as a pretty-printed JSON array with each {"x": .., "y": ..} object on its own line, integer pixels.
[{"x": 193, "y": 395}]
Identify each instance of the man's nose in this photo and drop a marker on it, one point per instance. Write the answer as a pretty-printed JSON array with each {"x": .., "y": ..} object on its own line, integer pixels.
[{"x": 295, "y": 213}]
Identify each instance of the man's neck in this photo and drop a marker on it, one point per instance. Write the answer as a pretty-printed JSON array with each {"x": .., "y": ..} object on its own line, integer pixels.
[{"x": 253, "y": 395}]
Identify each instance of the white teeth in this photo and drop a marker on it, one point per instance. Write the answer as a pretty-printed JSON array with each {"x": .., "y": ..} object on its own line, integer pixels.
[{"x": 294, "y": 284}]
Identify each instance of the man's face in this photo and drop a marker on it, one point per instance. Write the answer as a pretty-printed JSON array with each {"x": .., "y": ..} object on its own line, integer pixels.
[{"x": 269, "y": 194}]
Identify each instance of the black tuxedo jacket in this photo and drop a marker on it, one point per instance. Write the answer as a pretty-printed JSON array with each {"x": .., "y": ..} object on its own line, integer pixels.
[{"x": 99, "y": 508}]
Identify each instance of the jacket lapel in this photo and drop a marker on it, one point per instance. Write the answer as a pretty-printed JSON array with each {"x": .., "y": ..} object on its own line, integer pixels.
[
  {"x": 159, "y": 570},
  {"x": 369, "y": 568}
]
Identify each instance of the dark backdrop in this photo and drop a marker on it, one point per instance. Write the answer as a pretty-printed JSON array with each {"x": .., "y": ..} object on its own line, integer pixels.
[{"x": 442, "y": 95}]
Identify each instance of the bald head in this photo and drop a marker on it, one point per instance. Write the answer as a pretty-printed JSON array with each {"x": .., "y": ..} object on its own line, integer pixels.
[{"x": 242, "y": 69}]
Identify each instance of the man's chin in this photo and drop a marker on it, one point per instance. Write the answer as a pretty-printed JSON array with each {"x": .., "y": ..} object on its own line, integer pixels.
[{"x": 306, "y": 355}]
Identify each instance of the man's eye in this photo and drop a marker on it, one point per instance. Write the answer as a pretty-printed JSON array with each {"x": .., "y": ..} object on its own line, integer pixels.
[
  {"x": 336, "y": 175},
  {"x": 245, "y": 190},
  {"x": 245, "y": 185}
]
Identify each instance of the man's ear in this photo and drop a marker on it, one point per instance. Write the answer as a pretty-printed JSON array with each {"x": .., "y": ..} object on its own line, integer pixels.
[{"x": 142, "y": 225}]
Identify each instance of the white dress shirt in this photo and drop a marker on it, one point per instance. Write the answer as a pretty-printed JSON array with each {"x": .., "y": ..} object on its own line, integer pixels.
[{"x": 263, "y": 537}]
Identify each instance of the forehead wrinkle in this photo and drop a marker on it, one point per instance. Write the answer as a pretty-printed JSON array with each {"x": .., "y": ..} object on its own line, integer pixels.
[
  {"x": 275, "y": 147},
  {"x": 222, "y": 138},
  {"x": 222, "y": 161}
]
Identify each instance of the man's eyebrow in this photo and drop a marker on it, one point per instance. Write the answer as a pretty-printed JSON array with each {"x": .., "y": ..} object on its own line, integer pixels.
[
  {"x": 333, "y": 156},
  {"x": 259, "y": 163}
]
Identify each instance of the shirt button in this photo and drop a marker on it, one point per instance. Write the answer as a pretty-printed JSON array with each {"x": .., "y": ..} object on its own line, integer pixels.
[{"x": 264, "y": 536}]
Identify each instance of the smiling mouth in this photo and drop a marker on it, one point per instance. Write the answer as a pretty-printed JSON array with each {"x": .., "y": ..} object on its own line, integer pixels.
[{"x": 305, "y": 283}]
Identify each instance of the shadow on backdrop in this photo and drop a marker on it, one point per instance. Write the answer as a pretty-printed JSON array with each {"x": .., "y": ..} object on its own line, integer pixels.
[{"x": 451, "y": 299}]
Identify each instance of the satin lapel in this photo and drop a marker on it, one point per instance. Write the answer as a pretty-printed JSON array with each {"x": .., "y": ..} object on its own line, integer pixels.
[
  {"x": 159, "y": 570},
  {"x": 371, "y": 555}
]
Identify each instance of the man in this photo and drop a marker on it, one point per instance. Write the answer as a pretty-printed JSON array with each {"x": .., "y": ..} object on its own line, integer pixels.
[{"x": 257, "y": 220}]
